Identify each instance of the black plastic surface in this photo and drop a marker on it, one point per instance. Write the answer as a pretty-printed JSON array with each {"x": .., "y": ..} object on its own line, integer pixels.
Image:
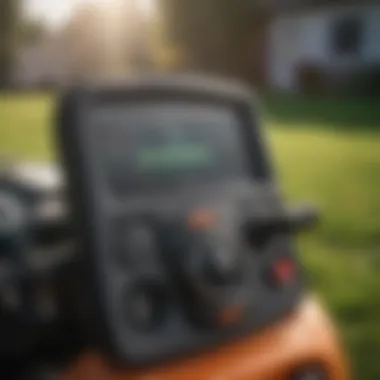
[{"x": 98, "y": 212}]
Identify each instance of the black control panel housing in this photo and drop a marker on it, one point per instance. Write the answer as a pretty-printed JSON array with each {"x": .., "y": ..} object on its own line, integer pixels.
[{"x": 136, "y": 302}]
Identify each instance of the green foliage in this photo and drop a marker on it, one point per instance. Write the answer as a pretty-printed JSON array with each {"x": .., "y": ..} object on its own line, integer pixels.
[
  {"x": 338, "y": 170},
  {"x": 214, "y": 35},
  {"x": 365, "y": 82},
  {"x": 327, "y": 112},
  {"x": 15, "y": 31},
  {"x": 31, "y": 32}
]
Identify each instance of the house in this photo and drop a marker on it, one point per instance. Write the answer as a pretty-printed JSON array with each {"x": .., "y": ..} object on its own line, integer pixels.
[{"x": 329, "y": 39}]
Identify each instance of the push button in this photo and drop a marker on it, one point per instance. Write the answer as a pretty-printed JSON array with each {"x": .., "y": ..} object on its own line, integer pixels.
[
  {"x": 284, "y": 270},
  {"x": 281, "y": 272}
]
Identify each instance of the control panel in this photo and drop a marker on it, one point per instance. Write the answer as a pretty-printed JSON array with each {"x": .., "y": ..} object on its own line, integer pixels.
[{"x": 184, "y": 240}]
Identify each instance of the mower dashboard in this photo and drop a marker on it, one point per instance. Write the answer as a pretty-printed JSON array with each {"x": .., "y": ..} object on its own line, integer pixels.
[{"x": 177, "y": 214}]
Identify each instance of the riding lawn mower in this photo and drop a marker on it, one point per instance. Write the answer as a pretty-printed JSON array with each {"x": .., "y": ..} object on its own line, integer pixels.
[{"x": 159, "y": 246}]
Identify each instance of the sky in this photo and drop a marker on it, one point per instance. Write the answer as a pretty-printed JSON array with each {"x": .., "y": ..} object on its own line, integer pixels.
[{"x": 56, "y": 12}]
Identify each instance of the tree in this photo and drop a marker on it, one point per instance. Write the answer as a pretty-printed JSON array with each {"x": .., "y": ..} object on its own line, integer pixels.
[
  {"x": 83, "y": 42},
  {"x": 31, "y": 31},
  {"x": 215, "y": 35},
  {"x": 106, "y": 41},
  {"x": 9, "y": 19}
]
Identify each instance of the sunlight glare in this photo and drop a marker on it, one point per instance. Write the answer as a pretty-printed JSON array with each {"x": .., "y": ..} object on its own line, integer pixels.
[
  {"x": 56, "y": 12},
  {"x": 146, "y": 6}
]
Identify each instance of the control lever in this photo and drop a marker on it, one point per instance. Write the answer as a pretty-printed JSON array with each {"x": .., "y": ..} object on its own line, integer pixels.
[
  {"x": 303, "y": 217},
  {"x": 293, "y": 220}
]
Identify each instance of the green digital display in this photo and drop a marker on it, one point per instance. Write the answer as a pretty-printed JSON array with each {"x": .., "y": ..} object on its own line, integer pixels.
[
  {"x": 175, "y": 157},
  {"x": 144, "y": 145}
]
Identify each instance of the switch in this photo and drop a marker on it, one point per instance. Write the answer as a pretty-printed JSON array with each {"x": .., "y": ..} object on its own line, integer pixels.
[{"x": 281, "y": 272}]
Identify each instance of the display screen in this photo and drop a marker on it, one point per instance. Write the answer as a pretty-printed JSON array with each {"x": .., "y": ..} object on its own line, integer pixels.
[{"x": 160, "y": 144}]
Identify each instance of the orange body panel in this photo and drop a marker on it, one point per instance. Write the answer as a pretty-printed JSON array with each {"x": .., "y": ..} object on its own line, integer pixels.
[{"x": 304, "y": 337}]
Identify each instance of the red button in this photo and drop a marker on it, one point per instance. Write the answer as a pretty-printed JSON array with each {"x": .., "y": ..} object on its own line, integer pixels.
[{"x": 284, "y": 270}]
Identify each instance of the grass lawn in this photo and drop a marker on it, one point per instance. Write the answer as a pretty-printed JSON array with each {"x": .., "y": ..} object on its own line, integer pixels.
[{"x": 326, "y": 151}]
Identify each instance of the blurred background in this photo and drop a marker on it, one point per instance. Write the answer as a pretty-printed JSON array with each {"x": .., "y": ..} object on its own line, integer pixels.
[{"x": 316, "y": 68}]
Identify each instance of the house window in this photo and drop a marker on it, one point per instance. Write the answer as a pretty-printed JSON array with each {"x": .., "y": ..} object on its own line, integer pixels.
[{"x": 347, "y": 36}]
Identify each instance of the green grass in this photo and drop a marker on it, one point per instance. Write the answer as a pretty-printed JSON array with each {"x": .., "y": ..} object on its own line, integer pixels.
[
  {"x": 325, "y": 151},
  {"x": 324, "y": 112},
  {"x": 339, "y": 172},
  {"x": 25, "y": 126}
]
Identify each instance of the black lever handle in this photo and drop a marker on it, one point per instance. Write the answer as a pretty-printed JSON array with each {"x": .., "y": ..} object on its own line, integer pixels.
[
  {"x": 302, "y": 217},
  {"x": 292, "y": 219}
]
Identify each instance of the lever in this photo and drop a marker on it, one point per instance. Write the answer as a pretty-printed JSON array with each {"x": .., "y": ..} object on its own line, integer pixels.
[{"x": 293, "y": 219}]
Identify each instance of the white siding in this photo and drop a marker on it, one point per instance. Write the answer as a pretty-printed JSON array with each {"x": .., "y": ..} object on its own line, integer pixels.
[
  {"x": 284, "y": 45},
  {"x": 371, "y": 48},
  {"x": 304, "y": 37}
]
